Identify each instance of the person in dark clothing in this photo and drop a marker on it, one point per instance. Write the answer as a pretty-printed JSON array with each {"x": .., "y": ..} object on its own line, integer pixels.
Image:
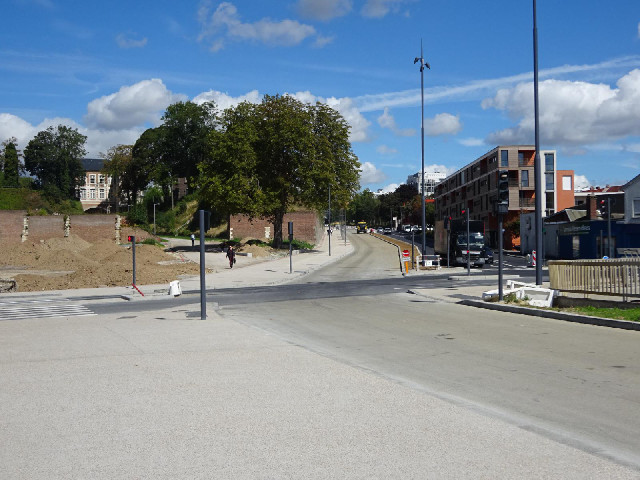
[{"x": 231, "y": 255}]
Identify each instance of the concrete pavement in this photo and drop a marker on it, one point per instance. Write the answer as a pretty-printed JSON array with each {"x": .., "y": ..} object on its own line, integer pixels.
[{"x": 162, "y": 394}]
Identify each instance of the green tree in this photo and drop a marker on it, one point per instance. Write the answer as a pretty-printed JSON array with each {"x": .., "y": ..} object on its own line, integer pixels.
[
  {"x": 53, "y": 157},
  {"x": 148, "y": 164},
  {"x": 229, "y": 178},
  {"x": 364, "y": 207},
  {"x": 186, "y": 128},
  {"x": 267, "y": 157},
  {"x": 11, "y": 163},
  {"x": 301, "y": 151},
  {"x": 117, "y": 165}
]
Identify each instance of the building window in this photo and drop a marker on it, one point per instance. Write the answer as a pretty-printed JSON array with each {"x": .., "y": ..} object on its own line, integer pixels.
[
  {"x": 548, "y": 162},
  {"x": 567, "y": 184},
  {"x": 92, "y": 195},
  {"x": 102, "y": 193},
  {"x": 504, "y": 158},
  {"x": 549, "y": 183},
  {"x": 524, "y": 178},
  {"x": 636, "y": 207},
  {"x": 92, "y": 179},
  {"x": 83, "y": 194},
  {"x": 101, "y": 179}
]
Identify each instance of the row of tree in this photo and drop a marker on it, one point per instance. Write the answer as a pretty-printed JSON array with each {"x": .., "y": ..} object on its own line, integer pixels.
[
  {"x": 404, "y": 203},
  {"x": 256, "y": 159}
]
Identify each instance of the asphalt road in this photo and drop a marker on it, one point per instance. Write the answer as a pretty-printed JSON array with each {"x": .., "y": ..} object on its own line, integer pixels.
[{"x": 575, "y": 384}]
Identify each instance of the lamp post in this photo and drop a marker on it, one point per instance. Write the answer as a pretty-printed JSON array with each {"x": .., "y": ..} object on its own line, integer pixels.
[
  {"x": 154, "y": 217},
  {"x": 537, "y": 167},
  {"x": 422, "y": 65}
]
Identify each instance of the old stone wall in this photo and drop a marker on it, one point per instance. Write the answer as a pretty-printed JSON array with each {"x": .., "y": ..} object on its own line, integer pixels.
[
  {"x": 88, "y": 227},
  {"x": 307, "y": 226}
]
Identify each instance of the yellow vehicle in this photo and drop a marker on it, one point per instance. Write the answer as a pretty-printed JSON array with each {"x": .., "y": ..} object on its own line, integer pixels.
[{"x": 362, "y": 227}]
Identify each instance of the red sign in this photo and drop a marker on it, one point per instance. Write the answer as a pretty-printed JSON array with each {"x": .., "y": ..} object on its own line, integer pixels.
[{"x": 405, "y": 253}]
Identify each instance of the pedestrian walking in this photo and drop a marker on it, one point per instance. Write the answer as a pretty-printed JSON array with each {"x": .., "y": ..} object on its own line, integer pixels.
[{"x": 231, "y": 255}]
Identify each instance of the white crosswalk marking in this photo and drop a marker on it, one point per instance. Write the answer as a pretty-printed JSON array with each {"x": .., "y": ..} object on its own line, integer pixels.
[{"x": 20, "y": 310}]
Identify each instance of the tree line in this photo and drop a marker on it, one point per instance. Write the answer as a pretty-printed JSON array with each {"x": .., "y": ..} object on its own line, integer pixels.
[
  {"x": 254, "y": 159},
  {"x": 404, "y": 203}
]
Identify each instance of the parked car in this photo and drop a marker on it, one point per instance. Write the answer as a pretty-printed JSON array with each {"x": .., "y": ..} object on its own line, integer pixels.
[{"x": 387, "y": 230}]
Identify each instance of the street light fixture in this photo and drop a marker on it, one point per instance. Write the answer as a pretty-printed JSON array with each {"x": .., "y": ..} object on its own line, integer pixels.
[{"x": 422, "y": 65}]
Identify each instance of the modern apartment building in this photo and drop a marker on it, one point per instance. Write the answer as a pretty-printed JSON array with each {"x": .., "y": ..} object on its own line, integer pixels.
[{"x": 475, "y": 187}]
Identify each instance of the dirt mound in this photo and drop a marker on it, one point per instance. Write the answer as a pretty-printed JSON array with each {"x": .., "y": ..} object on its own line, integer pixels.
[{"x": 93, "y": 264}]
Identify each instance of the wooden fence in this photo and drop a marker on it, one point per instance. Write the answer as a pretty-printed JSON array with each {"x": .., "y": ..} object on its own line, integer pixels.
[{"x": 617, "y": 276}]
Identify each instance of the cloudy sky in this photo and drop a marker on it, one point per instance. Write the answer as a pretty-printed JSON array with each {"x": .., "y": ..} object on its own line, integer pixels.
[{"x": 111, "y": 68}]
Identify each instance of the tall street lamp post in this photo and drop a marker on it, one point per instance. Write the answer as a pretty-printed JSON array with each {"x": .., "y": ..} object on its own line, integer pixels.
[
  {"x": 422, "y": 65},
  {"x": 537, "y": 166}
]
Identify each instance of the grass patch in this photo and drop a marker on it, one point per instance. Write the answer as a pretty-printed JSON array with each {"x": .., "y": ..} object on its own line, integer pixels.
[{"x": 628, "y": 314}]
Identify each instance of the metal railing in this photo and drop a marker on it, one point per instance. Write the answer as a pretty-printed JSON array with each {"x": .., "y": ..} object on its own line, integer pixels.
[{"x": 617, "y": 276}]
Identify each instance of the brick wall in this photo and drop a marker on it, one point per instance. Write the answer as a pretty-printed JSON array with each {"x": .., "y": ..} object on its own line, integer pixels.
[
  {"x": 88, "y": 227},
  {"x": 11, "y": 226},
  {"x": 307, "y": 226}
]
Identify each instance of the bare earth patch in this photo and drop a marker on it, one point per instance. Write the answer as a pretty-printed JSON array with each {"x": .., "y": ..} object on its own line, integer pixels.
[{"x": 91, "y": 264}]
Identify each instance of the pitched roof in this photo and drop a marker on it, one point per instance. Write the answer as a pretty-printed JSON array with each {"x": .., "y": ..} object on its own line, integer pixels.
[{"x": 92, "y": 164}]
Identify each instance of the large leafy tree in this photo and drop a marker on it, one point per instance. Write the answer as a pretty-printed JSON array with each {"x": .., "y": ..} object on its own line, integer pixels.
[
  {"x": 229, "y": 175},
  {"x": 268, "y": 157},
  {"x": 10, "y": 162},
  {"x": 118, "y": 165},
  {"x": 364, "y": 207},
  {"x": 186, "y": 128},
  {"x": 148, "y": 164},
  {"x": 53, "y": 157}
]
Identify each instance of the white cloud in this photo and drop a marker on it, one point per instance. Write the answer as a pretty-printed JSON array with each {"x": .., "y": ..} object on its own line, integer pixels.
[
  {"x": 385, "y": 150},
  {"x": 132, "y": 105},
  {"x": 580, "y": 181},
  {"x": 571, "y": 113},
  {"x": 323, "y": 9},
  {"x": 347, "y": 108},
  {"x": 98, "y": 141},
  {"x": 225, "y": 23},
  {"x": 224, "y": 101},
  {"x": 127, "y": 42},
  {"x": 386, "y": 120},
  {"x": 380, "y": 8},
  {"x": 442, "y": 124},
  {"x": 471, "y": 142},
  {"x": 479, "y": 89},
  {"x": 370, "y": 174},
  {"x": 388, "y": 189}
]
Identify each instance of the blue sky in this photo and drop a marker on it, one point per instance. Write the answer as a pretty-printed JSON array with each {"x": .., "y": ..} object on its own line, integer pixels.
[{"x": 111, "y": 68}]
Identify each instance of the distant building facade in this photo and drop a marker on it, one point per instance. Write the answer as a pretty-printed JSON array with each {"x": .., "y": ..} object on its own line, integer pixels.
[
  {"x": 431, "y": 179},
  {"x": 95, "y": 191},
  {"x": 475, "y": 188}
]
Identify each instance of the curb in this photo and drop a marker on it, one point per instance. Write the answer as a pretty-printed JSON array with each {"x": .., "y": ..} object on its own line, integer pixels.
[{"x": 568, "y": 317}]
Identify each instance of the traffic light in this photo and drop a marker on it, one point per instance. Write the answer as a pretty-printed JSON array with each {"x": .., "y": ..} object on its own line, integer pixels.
[
  {"x": 131, "y": 239},
  {"x": 603, "y": 207},
  {"x": 503, "y": 191},
  {"x": 447, "y": 219}
]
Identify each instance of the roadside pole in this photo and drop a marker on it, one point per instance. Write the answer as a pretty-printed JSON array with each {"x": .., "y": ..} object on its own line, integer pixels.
[
  {"x": 329, "y": 232},
  {"x": 413, "y": 251},
  {"x": 468, "y": 252},
  {"x": 290, "y": 247},
  {"x": 203, "y": 287},
  {"x": 500, "y": 240},
  {"x": 609, "y": 227},
  {"x": 132, "y": 239}
]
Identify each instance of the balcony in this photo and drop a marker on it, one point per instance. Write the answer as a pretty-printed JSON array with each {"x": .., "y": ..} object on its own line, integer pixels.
[{"x": 527, "y": 203}]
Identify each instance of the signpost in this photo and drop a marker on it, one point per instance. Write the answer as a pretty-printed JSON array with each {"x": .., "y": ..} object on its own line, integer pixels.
[{"x": 405, "y": 259}]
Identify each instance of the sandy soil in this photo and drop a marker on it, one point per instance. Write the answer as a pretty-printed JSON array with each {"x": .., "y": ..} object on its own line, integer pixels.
[{"x": 68, "y": 263}]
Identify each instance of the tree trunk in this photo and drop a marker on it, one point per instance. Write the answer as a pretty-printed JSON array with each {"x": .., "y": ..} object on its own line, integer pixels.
[{"x": 278, "y": 218}]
